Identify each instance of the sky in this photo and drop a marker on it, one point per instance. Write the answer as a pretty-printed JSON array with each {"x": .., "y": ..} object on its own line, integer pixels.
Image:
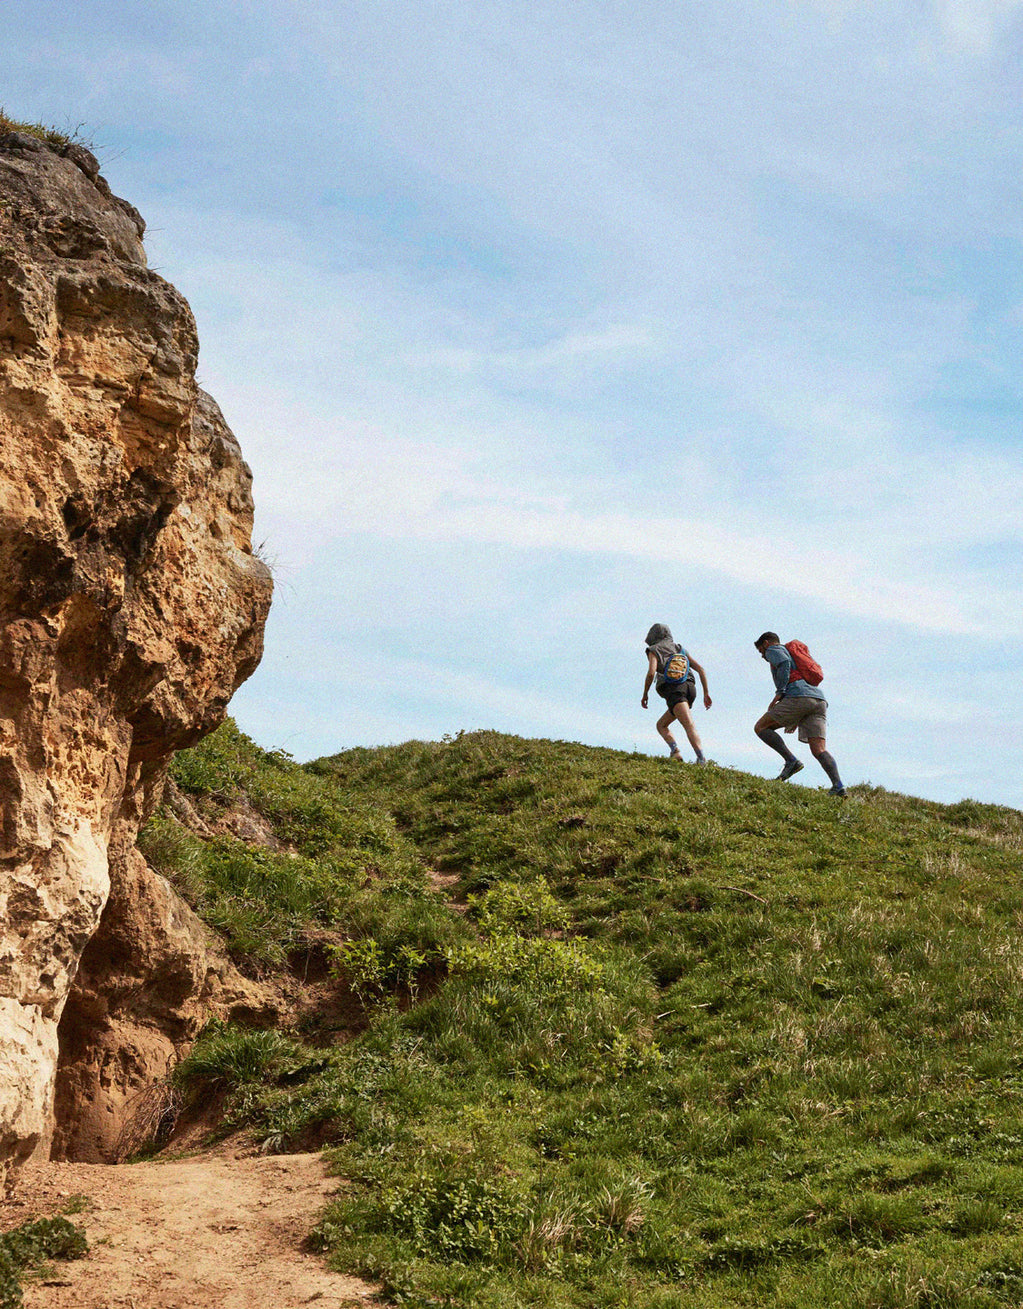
[{"x": 541, "y": 323}]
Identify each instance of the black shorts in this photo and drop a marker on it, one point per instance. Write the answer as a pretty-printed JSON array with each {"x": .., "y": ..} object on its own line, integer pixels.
[{"x": 676, "y": 694}]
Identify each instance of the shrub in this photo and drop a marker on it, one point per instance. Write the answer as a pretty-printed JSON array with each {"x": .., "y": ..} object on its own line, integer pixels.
[
  {"x": 30, "y": 1246},
  {"x": 452, "y": 1213},
  {"x": 528, "y": 908},
  {"x": 547, "y": 967},
  {"x": 371, "y": 969}
]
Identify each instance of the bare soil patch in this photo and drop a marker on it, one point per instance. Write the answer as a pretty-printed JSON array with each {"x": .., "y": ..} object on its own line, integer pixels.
[{"x": 216, "y": 1231}]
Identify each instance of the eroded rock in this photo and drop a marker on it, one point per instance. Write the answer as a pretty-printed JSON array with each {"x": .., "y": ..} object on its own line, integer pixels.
[{"x": 131, "y": 607}]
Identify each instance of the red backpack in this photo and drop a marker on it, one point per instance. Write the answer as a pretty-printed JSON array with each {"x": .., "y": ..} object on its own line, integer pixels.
[{"x": 806, "y": 666}]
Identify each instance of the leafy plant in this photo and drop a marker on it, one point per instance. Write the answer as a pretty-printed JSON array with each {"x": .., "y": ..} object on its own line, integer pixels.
[
  {"x": 528, "y": 908},
  {"x": 371, "y": 968},
  {"x": 30, "y": 1246}
]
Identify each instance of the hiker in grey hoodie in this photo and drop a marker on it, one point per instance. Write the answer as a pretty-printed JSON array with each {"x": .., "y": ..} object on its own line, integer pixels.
[{"x": 660, "y": 648}]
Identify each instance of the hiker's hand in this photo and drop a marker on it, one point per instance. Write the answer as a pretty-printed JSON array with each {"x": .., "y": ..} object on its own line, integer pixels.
[
  {"x": 643, "y": 702},
  {"x": 790, "y": 730},
  {"x": 707, "y": 702}
]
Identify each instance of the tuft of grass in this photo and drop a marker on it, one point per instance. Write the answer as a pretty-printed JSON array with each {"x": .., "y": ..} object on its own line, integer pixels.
[
  {"x": 225, "y": 1058},
  {"x": 51, "y": 135},
  {"x": 975, "y": 1217}
]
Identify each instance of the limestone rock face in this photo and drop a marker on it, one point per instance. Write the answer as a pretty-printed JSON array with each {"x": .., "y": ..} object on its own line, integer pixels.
[{"x": 131, "y": 607}]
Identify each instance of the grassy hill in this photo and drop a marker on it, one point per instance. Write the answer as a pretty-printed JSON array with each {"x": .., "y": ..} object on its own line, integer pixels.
[{"x": 626, "y": 1033}]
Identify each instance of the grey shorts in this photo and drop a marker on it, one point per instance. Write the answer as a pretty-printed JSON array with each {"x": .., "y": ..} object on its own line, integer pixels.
[{"x": 806, "y": 712}]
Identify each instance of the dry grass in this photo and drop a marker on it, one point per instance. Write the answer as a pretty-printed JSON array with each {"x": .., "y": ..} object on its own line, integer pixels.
[{"x": 150, "y": 1120}]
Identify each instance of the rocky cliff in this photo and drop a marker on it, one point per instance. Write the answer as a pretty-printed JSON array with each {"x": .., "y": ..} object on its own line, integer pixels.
[{"x": 131, "y": 607}]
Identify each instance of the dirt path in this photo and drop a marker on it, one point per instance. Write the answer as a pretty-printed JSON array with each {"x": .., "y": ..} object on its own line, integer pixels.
[{"x": 220, "y": 1231}]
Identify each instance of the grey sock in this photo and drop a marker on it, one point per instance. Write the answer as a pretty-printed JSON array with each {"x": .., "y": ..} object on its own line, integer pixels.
[
  {"x": 827, "y": 762},
  {"x": 770, "y": 737}
]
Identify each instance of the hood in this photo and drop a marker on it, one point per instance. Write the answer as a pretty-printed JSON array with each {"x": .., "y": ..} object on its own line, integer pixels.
[{"x": 658, "y": 633}]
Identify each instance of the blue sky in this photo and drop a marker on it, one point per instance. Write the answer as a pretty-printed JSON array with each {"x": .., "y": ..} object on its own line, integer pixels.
[{"x": 542, "y": 323}]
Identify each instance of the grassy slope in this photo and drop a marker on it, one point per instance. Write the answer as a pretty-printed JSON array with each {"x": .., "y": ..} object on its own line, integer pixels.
[{"x": 702, "y": 1039}]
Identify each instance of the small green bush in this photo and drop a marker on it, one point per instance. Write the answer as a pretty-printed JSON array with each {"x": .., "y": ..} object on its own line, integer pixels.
[
  {"x": 30, "y": 1246},
  {"x": 453, "y": 1213},
  {"x": 547, "y": 966},
  {"x": 528, "y": 908},
  {"x": 372, "y": 969}
]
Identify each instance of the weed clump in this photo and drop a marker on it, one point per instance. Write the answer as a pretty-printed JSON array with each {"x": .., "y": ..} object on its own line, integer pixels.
[
  {"x": 225, "y": 1058},
  {"x": 31, "y": 1246}
]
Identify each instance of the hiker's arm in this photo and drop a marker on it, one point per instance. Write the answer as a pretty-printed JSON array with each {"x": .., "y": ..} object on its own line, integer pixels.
[
  {"x": 651, "y": 673},
  {"x": 703, "y": 678}
]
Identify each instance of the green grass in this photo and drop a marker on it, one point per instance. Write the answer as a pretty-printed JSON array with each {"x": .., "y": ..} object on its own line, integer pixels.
[
  {"x": 699, "y": 1039},
  {"x": 346, "y": 868}
]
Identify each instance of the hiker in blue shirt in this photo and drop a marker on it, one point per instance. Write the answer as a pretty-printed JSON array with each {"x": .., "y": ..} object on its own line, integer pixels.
[
  {"x": 796, "y": 704},
  {"x": 661, "y": 648}
]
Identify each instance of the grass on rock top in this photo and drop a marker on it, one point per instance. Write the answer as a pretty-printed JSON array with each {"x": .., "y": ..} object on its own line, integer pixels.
[
  {"x": 50, "y": 135},
  {"x": 699, "y": 1040}
]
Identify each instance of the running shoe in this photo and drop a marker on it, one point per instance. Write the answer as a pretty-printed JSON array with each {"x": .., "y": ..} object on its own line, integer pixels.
[{"x": 791, "y": 768}]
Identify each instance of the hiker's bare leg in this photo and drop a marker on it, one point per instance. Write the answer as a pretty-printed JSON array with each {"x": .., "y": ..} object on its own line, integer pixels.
[
  {"x": 664, "y": 728},
  {"x": 681, "y": 712},
  {"x": 819, "y": 750}
]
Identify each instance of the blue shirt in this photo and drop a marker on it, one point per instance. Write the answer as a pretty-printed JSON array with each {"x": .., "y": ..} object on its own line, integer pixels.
[{"x": 781, "y": 668}]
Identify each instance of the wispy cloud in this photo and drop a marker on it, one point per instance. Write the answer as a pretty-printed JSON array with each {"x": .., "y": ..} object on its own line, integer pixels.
[
  {"x": 974, "y": 25},
  {"x": 621, "y": 343}
]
